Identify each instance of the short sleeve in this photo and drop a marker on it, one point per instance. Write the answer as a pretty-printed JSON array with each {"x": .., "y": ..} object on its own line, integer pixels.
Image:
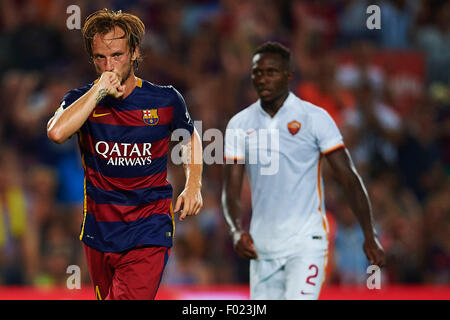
[
  {"x": 234, "y": 141},
  {"x": 181, "y": 117},
  {"x": 69, "y": 98},
  {"x": 327, "y": 134}
]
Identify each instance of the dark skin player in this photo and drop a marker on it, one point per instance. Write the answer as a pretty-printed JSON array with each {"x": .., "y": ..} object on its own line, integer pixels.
[{"x": 271, "y": 77}]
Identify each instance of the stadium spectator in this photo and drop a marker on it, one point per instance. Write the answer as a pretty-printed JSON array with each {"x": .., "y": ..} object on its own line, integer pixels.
[
  {"x": 325, "y": 91},
  {"x": 13, "y": 218}
]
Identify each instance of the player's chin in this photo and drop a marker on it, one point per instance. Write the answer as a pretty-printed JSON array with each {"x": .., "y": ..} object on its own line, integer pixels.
[
  {"x": 265, "y": 95},
  {"x": 268, "y": 98}
]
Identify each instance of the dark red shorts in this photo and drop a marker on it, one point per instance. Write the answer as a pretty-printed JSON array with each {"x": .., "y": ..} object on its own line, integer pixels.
[{"x": 131, "y": 275}]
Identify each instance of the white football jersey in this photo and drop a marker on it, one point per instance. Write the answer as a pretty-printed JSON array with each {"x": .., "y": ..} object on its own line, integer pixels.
[{"x": 282, "y": 157}]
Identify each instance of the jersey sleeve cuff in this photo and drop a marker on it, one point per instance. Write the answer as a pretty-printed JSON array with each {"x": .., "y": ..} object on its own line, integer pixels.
[
  {"x": 339, "y": 146},
  {"x": 233, "y": 159}
]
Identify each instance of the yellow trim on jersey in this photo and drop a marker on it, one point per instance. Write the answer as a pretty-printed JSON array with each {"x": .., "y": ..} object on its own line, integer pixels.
[
  {"x": 319, "y": 169},
  {"x": 84, "y": 209},
  {"x": 97, "y": 293},
  {"x": 324, "y": 218},
  {"x": 139, "y": 82},
  {"x": 85, "y": 196},
  {"x": 173, "y": 220},
  {"x": 234, "y": 158},
  {"x": 341, "y": 145},
  {"x": 319, "y": 187}
]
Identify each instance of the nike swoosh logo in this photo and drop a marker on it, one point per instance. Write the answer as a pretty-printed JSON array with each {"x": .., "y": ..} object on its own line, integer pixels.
[
  {"x": 96, "y": 115},
  {"x": 302, "y": 292},
  {"x": 250, "y": 132}
]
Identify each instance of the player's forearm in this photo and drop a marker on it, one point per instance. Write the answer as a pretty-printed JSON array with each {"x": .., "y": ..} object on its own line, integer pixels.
[
  {"x": 360, "y": 203},
  {"x": 232, "y": 209},
  {"x": 193, "y": 165},
  {"x": 346, "y": 173},
  {"x": 68, "y": 121},
  {"x": 193, "y": 174},
  {"x": 231, "y": 196}
]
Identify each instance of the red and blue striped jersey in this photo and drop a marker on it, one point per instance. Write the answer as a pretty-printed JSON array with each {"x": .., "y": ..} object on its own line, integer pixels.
[{"x": 124, "y": 146}]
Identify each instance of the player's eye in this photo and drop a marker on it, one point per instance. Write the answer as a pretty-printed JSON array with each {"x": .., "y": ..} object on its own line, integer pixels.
[
  {"x": 257, "y": 73},
  {"x": 116, "y": 55},
  {"x": 272, "y": 72}
]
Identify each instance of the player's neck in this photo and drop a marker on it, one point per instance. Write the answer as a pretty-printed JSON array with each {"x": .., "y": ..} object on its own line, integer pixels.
[{"x": 272, "y": 107}]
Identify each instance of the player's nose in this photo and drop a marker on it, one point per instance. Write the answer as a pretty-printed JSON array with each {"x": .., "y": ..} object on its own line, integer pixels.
[
  {"x": 108, "y": 64},
  {"x": 261, "y": 80}
]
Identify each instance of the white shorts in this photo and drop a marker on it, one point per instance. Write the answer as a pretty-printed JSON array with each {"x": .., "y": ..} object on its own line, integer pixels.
[{"x": 296, "y": 277}]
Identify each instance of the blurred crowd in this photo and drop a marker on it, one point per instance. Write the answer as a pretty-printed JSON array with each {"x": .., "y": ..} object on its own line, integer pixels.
[{"x": 396, "y": 126}]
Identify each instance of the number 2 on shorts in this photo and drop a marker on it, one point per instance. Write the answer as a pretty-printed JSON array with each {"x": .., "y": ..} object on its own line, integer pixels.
[{"x": 316, "y": 272}]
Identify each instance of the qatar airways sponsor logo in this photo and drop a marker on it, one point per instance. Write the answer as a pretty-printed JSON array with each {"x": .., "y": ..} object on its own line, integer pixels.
[{"x": 125, "y": 154}]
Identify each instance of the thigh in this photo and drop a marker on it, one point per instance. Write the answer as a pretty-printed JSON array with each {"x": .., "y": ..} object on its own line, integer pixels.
[
  {"x": 305, "y": 275},
  {"x": 138, "y": 273},
  {"x": 100, "y": 271},
  {"x": 267, "y": 280}
]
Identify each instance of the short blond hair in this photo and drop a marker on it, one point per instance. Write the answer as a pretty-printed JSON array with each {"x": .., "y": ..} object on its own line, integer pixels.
[{"x": 103, "y": 21}]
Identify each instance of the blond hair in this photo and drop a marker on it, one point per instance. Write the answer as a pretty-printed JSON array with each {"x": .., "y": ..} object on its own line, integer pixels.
[{"x": 103, "y": 21}]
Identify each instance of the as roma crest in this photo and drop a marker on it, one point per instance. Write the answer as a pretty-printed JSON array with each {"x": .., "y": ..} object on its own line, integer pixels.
[
  {"x": 150, "y": 116},
  {"x": 294, "y": 127}
]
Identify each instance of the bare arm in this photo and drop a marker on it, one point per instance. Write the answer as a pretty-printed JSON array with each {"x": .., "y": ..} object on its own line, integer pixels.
[
  {"x": 231, "y": 204},
  {"x": 342, "y": 165},
  {"x": 68, "y": 121},
  {"x": 191, "y": 197}
]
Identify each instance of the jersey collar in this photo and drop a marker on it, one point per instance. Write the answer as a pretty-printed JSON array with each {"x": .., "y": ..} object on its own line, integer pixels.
[{"x": 288, "y": 102}]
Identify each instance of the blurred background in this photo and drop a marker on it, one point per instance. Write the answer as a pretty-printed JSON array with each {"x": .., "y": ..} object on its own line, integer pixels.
[{"x": 387, "y": 89}]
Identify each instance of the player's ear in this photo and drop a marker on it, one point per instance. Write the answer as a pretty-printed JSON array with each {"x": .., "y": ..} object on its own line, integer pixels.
[
  {"x": 289, "y": 70},
  {"x": 290, "y": 75},
  {"x": 135, "y": 54}
]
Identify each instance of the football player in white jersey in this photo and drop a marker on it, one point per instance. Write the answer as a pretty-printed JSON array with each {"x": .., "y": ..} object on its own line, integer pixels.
[{"x": 280, "y": 141}]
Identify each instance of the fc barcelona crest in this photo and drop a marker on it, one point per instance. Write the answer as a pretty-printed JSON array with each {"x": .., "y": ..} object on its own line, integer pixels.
[
  {"x": 150, "y": 116},
  {"x": 294, "y": 127}
]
